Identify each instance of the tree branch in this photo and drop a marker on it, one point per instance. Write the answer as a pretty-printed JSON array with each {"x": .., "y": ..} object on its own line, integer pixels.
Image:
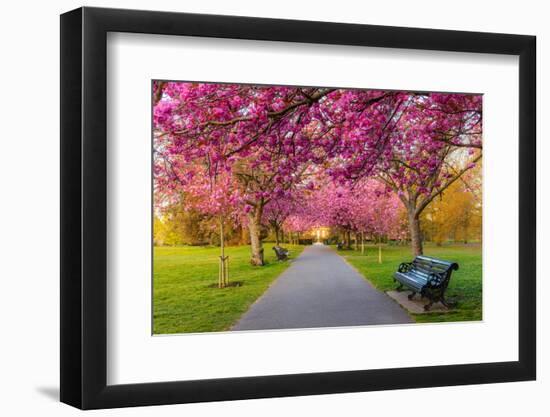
[{"x": 442, "y": 188}]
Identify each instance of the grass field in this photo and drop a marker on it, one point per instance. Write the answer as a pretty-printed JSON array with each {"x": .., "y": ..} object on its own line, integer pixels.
[
  {"x": 185, "y": 296},
  {"x": 465, "y": 285}
]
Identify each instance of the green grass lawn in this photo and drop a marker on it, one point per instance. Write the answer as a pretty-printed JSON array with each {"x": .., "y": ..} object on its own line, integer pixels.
[
  {"x": 186, "y": 298},
  {"x": 465, "y": 285}
]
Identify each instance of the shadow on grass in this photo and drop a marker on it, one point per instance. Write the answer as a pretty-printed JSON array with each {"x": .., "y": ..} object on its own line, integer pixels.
[{"x": 228, "y": 285}]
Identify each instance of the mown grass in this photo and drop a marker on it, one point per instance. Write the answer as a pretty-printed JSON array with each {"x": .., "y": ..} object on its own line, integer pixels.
[
  {"x": 185, "y": 296},
  {"x": 465, "y": 286}
]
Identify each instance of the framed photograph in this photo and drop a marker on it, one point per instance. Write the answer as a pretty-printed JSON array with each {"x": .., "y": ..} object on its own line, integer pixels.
[{"x": 258, "y": 208}]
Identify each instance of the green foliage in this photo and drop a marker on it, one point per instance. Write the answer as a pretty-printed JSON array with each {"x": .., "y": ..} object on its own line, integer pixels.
[
  {"x": 456, "y": 214},
  {"x": 185, "y": 296},
  {"x": 465, "y": 286},
  {"x": 180, "y": 227},
  {"x": 183, "y": 227}
]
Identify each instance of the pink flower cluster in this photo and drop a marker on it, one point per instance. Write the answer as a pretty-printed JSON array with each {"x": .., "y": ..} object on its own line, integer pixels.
[{"x": 312, "y": 156}]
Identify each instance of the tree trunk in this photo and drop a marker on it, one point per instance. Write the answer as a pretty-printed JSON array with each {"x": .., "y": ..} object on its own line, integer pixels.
[
  {"x": 416, "y": 236},
  {"x": 257, "y": 251},
  {"x": 362, "y": 243},
  {"x": 347, "y": 236},
  {"x": 223, "y": 278},
  {"x": 276, "y": 236},
  {"x": 222, "y": 243}
]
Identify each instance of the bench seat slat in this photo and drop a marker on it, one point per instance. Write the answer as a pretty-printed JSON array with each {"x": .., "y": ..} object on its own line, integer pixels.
[
  {"x": 434, "y": 260},
  {"x": 425, "y": 271},
  {"x": 417, "y": 270},
  {"x": 410, "y": 281},
  {"x": 431, "y": 265}
]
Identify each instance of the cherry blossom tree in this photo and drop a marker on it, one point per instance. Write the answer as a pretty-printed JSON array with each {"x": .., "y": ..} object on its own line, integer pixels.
[
  {"x": 364, "y": 208},
  {"x": 257, "y": 145},
  {"x": 424, "y": 143},
  {"x": 213, "y": 194},
  {"x": 259, "y": 133},
  {"x": 376, "y": 212},
  {"x": 333, "y": 206},
  {"x": 278, "y": 210}
]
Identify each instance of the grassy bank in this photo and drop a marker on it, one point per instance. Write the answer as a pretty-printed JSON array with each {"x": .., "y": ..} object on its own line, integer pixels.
[
  {"x": 465, "y": 285},
  {"x": 185, "y": 296}
]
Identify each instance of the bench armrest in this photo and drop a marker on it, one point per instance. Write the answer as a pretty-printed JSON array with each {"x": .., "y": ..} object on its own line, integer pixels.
[
  {"x": 435, "y": 280},
  {"x": 404, "y": 267}
]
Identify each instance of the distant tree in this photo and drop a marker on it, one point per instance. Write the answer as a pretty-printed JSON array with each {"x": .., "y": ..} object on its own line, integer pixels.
[{"x": 456, "y": 213}]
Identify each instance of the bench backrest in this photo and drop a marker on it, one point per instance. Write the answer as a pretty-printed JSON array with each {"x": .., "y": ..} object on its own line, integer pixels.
[
  {"x": 425, "y": 265},
  {"x": 280, "y": 251}
]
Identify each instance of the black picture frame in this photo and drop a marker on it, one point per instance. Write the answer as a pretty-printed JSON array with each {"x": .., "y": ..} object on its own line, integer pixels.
[{"x": 84, "y": 207}]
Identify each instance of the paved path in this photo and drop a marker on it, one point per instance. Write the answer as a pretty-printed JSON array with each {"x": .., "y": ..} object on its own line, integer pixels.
[{"x": 320, "y": 289}]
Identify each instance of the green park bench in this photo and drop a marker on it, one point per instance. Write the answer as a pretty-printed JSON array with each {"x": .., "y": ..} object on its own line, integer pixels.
[{"x": 426, "y": 276}]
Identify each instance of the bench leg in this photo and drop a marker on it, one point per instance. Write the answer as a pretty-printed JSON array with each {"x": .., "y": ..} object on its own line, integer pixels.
[
  {"x": 399, "y": 287},
  {"x": 444, "y": 302},
  {"x": 429, "y": 305},
  {"x": 411, "y": 295}
]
